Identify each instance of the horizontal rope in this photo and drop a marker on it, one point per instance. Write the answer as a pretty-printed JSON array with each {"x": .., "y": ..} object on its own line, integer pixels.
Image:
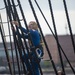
[
  {"x": 5, "y": 7},
  {"x": 9, "y": 21},
  {"x": 7, "y": 35}
]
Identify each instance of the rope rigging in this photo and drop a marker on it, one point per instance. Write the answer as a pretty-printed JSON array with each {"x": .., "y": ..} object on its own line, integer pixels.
[
  {"x": 55, "y": 30},
  {"x": 69, "y": 24},
  {"x": 43, "y": 37},
  {"x": 6, "y": 50},
  {"x": 5, "y": 7},
  {"x": 54, "y": 36},
  {"x": 20, "y": 25},
  {"x": 26, "y": 52}
]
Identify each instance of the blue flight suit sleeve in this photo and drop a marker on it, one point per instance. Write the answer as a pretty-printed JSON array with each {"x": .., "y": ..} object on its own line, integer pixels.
[
  {"x": 34, "y": 35},
  {"x": 24, "y": 31}
]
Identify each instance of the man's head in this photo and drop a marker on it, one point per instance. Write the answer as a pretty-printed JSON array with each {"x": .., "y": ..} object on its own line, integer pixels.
[{"x": 33, "y": 25}]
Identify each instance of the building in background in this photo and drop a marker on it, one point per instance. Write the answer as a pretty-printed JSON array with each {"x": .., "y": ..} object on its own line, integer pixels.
[{"x": 66, "y": 44}]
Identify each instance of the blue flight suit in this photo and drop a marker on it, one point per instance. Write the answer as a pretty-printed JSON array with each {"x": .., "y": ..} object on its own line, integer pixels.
[{"x": 36, "y": 41}]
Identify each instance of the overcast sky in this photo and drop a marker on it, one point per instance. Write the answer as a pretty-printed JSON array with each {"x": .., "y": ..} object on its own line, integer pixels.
[{"x": 58, "y": 10}]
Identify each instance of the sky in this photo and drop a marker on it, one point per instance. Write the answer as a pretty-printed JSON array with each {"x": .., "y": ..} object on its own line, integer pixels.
[{"x": 58, "y": 11}]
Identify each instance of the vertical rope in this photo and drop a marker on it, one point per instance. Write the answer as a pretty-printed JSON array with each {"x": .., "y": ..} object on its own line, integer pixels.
[
  {"x": 24, "y": 21},
  {"x": 54, "y": 36},
  {"x": 18, "y": 64},
  {"x": 50, "y": 5},
  {"x": 8, "y": 12},
  {"x": 69, "y": 25},
  {"x": 11, "y": 47},
  {"x": 12, "y": 50},
  {"x": 7, "y": 55},
  {"x": 28, "y": 30},
  {"x": 43, "y": 36},
  {"x": 22, "y": 33}
]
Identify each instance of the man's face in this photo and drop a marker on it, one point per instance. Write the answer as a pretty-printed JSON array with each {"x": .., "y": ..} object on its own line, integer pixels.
[{"x": 30, "y": 26}]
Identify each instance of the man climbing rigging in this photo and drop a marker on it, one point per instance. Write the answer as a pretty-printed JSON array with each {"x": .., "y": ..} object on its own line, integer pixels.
[{"x": 36, "y": 40}]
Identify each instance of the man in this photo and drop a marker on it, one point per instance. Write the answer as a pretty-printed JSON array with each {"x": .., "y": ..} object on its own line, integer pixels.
[{"x": 36, "y": 40}]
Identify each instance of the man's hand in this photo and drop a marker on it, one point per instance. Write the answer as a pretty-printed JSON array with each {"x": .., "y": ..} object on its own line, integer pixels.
[{"x": 15, "y": 22}]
